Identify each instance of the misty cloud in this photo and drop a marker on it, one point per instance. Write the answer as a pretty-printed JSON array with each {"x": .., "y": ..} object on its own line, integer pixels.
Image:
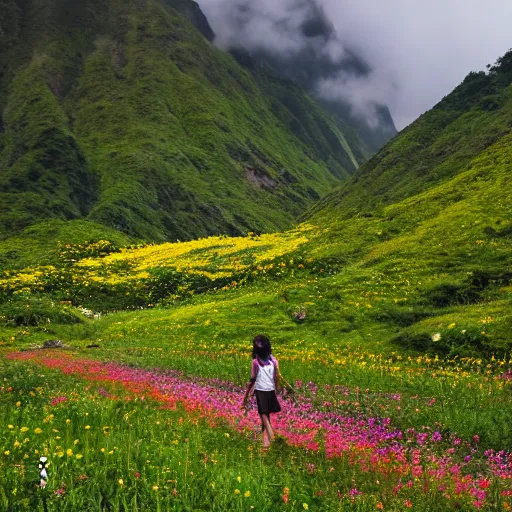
[
  {"x": 284, "y": 27},
  {"x": 414, "y": 52}
]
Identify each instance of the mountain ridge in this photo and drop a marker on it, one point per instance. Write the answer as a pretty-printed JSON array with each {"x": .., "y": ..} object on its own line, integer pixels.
[{"x": 140, "y": 124}]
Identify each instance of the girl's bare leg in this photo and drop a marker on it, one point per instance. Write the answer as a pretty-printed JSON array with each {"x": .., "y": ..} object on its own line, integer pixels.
[{"x": 267, "y": 430}]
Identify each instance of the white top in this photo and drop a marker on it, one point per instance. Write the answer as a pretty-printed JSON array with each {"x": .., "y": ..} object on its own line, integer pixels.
[{"x": 264, "y": 375}]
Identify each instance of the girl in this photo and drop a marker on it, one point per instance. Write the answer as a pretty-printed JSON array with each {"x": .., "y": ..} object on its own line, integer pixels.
[{"x": 265, "y": 381}]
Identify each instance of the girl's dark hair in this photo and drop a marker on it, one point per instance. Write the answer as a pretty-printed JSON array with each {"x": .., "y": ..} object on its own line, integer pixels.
[{"x": 261, "y": 347}]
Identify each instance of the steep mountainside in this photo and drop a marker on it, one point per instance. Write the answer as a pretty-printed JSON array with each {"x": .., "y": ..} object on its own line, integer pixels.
[
  {"x": 124, "y": 114},
  {"x": 312, "y": 64},
  {"x": 441, "y": 144},
  {"x": 422, "y": 234}
]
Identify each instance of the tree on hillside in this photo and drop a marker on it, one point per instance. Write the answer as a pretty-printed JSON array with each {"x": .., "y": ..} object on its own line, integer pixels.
[{"x": 9, "y": 22}]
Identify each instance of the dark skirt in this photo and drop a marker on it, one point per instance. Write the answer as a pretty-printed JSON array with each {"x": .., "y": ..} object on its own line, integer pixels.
[{"x": 267, "y": 402}]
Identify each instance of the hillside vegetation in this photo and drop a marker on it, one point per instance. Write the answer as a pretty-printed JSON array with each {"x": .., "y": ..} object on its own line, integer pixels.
[
  {"x": 429, "y": 272},
  {"x": 124, "y": 114},
  {"x": 441, "y": 144},
  {"x": 389, "y": 308}
]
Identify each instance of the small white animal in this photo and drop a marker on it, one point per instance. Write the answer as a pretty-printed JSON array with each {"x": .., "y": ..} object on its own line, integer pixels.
[{"x": 43, "y": 474}]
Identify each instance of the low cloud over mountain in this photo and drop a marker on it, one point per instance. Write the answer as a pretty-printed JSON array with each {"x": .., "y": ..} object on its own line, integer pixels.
[{"x": 406, "y": 55}]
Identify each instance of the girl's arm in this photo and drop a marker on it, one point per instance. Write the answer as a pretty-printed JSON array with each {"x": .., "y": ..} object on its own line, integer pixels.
[
  {"x": 250, "y": 386},
  {"x": 277, "y": 376}
]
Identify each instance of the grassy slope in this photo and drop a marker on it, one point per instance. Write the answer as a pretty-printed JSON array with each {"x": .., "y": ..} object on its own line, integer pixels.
[
  {"x": 430, "y": 261},
  {"x": 123, "y": 113},
  {"x": 428, "y": 273},
  {"x": 401, "y": 273},
  {"x": 391, "y": 279},
  {"x": 439, "y": 145},
  {"x": 38, "y": 244}
]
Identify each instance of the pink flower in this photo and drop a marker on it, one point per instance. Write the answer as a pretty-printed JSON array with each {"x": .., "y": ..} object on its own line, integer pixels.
[
  {"x": 484, "y": 483},
  {"x": 58, "y": 400},
  {"x": 436, "y": 436}
]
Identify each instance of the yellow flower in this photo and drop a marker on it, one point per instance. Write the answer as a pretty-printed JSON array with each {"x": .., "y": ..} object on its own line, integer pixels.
[
  {"x": 17, "y": 444},
  {"x": 87, "y": 427},
  {"x": 7, "y": 452},
  {"x": 69, "y": 452},
  {"x": 102, "y": 450},
  {"x": 247, "y": 494},
  {"x": 68, "y": 421},
  {"x": 10, "y": 427},
  {"x": 237, "y": 491},
  {"x": 75, "y": 442},
  {"x": 60, "y": 454},
  {"x": 18, "y": 404},
  {"x": 38, "y": 430},
  {"x": 24, "y": 429},
  {"x": 305, "y": 506},
  {"x": 111, "y": 452},
  {"x": 238, "y": 478},
  {"x": 121, "y": 482},
  {"x": 155, "y": 487},
  {"x": 78, "y": 456}
]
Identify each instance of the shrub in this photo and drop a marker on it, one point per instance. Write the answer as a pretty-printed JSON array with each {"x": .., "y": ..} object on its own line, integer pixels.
[
  {"x": 419, "y": 341},
  {"x": 399, "y": 315},
  {"x": 32, "y": 311},
  {"x": 446, "y": 293},
  {"x": 469, "y": 342}
]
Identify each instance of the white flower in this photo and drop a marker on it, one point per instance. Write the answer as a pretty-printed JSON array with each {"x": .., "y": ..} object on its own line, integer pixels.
[{"x": 436, "y": 336}]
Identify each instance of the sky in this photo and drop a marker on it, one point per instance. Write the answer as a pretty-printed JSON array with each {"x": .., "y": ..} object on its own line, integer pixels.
[{"x": 418, "y": 51}]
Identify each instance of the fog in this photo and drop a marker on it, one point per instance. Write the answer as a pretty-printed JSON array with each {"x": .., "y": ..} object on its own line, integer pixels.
[{"x": 415, "y": 52}]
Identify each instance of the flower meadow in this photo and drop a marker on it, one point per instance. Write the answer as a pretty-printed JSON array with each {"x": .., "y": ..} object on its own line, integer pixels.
[
  {"x": 398, "y": 376},
  {"x": 142, "y": 276},
  {"x": 121, "y": 437}
]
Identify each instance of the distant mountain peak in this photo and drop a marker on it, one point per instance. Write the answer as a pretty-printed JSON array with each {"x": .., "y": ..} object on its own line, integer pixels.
[{"x": 297, "y": 39}]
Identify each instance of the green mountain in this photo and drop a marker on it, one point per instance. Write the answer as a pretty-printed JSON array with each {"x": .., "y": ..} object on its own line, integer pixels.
[
  {"x": 311, "y": 54},
  {"x": 411, "y": 255},
  {"x": 422, "y": 233},
  {"x": 441, "y": 144},
  {"x": 123, "y": 113}
]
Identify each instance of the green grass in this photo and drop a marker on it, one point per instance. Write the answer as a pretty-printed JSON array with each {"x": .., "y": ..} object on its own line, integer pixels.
[
  {"x": 434, "y": 149},
  {"x": 130, "y": 447},
  {"x": 43, "y": 243}
]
